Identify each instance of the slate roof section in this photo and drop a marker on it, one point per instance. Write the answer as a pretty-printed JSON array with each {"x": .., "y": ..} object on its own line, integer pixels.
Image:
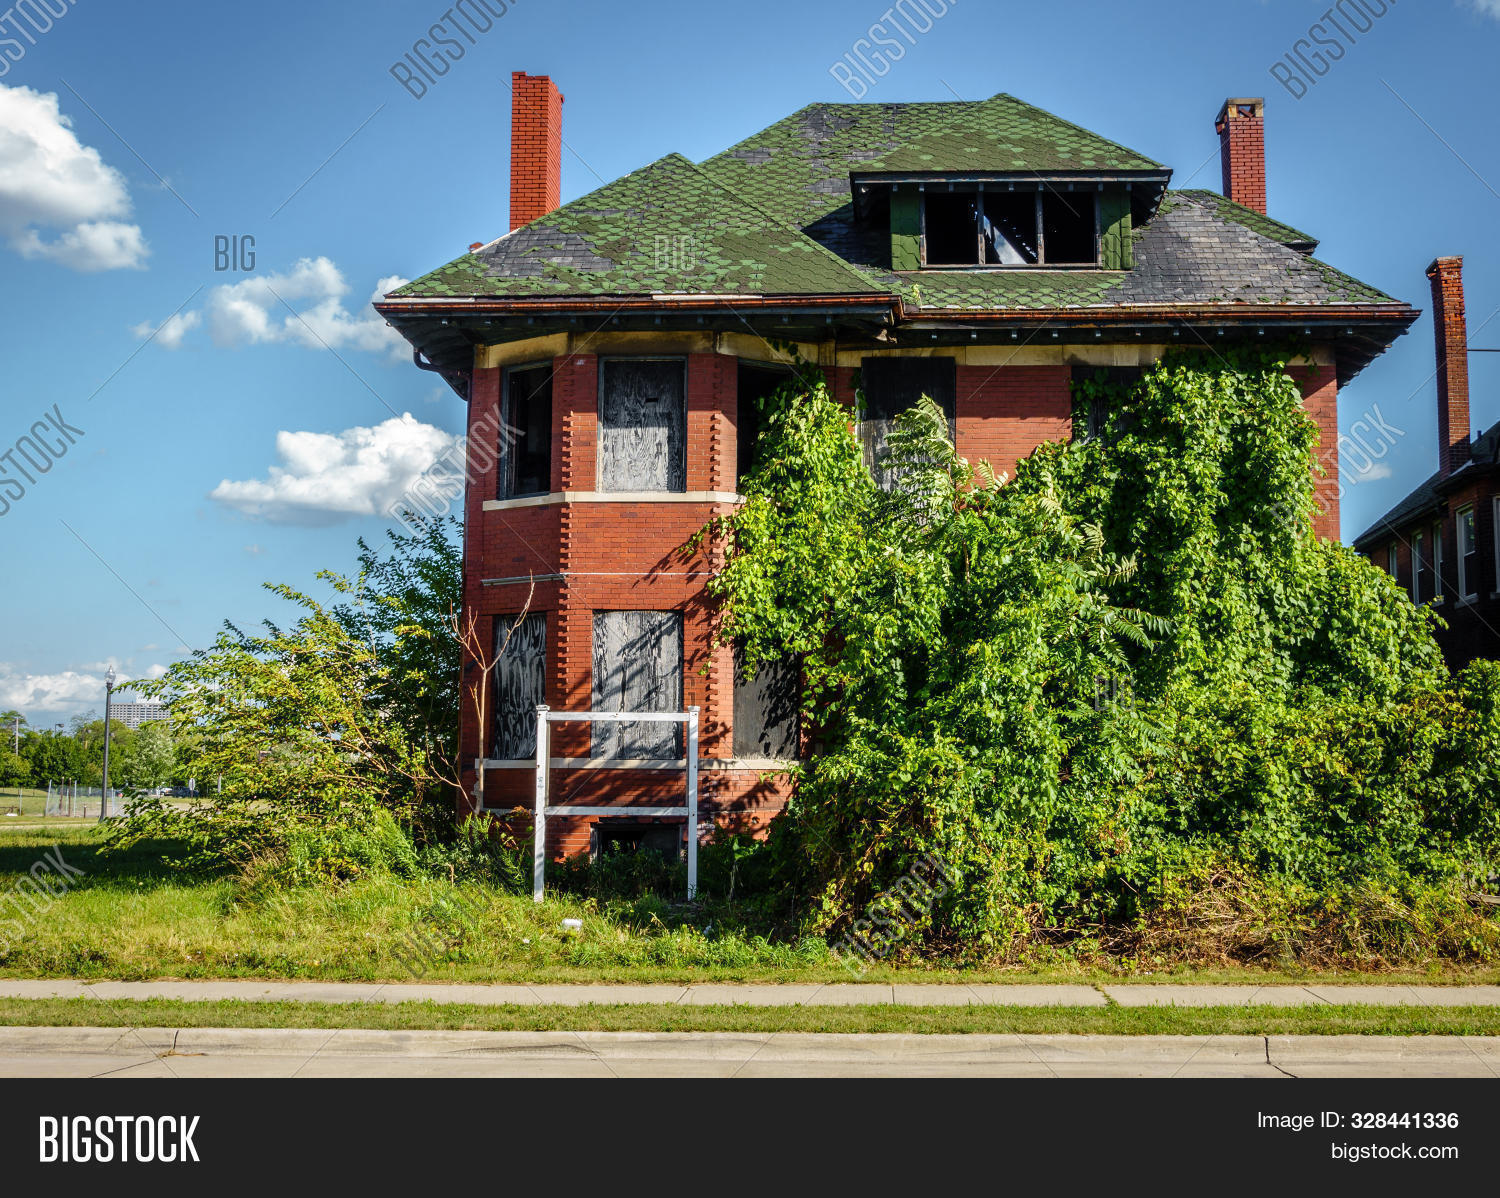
[
  {"x": 1256, "y": 221},
  {"x": 666, "y": 228}
]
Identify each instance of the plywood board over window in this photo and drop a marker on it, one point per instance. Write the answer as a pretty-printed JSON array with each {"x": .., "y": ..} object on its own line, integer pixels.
[
  {"x": 637, "y": 667},
  {"x": 519, "y": 684},
  {"x": 893, "y": 385},
  {"x": 765, "y": 709},
  {"x": 643, "y": 424}
]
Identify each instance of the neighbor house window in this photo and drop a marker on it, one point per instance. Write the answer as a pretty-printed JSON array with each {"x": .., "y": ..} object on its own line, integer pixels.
[
  {"x": 1438, "y": 591},
  {"x": 526, "y": 432},
  {"x": 637, "y": 667},
  {"x": 1495, "y": 561},
  {"x": 520, "y": 684},
  {"x": 892, "y": 386},
  {"x": 643, "y": 424},
  {"x": 1468, "y": 555},
  {"x": 1419, "y": 578},
  {"x": 1044, "y": 226},
  {"x": 1393, "y": 561}
]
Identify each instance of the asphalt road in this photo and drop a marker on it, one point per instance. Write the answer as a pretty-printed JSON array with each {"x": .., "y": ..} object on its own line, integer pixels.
[{"x": 210, "y": 1052}]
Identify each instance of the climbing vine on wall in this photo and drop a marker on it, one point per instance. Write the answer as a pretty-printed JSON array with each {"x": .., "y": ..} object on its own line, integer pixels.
[{"x": 1103, "y": 689}]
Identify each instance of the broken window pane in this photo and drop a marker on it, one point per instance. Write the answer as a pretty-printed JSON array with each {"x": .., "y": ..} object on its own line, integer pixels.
[
  {"x": 637, "y": 667},
  {"x": 1010, "y": 228},
  {"x": 520, "y": 684},
  {"x": 893, "y": 385},
  {"x": 1068, "y": 228},
  {"x": 526, "y": 433},
  {"x": 952, "y": 228},
  {"x": 765, "y": 709},
  {"x": 643, "y": 425}
]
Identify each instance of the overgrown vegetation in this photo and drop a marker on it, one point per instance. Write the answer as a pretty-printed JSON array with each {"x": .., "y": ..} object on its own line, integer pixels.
[
  {"x": 1129, "y": 701},
  {"x": 331, "y": 744}
]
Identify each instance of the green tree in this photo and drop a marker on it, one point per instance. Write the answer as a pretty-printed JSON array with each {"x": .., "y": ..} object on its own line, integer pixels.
[{"x": 152, "y": 757}]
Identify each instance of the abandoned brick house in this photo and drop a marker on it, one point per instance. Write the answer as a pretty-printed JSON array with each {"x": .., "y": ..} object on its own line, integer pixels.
[
  {"x": 1442, "y": 541},
  {"x": 982, "y": 253}
]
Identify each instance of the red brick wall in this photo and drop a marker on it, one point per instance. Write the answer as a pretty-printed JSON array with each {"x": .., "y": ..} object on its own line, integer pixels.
[
  {"x": 1320, "y": 396},
  {"x": 535, "y": 147},
  {"x": 1006, "y": 412}
]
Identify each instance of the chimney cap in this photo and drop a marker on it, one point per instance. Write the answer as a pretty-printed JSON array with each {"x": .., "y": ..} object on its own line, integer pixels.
[
  {"x": 1241, "y": 108},
  {"x": 1446, "y": 263}
]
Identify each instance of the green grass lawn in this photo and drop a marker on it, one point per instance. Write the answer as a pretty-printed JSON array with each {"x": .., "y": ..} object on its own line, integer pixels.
[
  {"x": 1097, "y": 1021},
  {"x": 128, "y": 917}
]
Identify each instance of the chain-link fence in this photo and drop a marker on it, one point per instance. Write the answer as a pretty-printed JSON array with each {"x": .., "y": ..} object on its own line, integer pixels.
[{"x": 83, "y": 802}]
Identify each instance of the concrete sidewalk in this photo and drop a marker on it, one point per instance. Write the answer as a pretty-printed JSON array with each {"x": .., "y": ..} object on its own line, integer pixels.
[
  {"x": 835, "y": 994},
  {"x": 231, "y": 1052}
]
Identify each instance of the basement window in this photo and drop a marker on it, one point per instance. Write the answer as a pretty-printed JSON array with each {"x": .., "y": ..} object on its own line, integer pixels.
[
  {"x": 643, "y": 424},
  {"x": 637, "y": 667},
  {"x": 520, "y": 684},
  {"x": 526, "y": 432},
  {"x": 611, "y": 837},
  {"x": 1049, "y": 226}
]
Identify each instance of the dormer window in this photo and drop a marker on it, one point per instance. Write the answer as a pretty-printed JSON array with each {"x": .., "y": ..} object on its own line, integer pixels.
[{"x": 1019, "y": 227}]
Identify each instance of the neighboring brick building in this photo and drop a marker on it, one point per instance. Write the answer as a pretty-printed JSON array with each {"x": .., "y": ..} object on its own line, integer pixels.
[
  {"x": 1442, "y": 542},
  {"x": 982, "y": 253}
]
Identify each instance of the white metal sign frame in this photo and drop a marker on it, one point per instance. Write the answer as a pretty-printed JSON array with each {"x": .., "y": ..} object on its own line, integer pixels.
[{"x": 544, "y": 717}]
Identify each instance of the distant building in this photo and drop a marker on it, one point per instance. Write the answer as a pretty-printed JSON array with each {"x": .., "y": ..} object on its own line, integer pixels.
[
  {"x": 1442, "y": 542},
  {"x": 133, "y": 715}
]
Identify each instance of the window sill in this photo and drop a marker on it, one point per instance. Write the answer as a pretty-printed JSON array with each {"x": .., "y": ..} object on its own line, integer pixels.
[
  {"x": 560, "y": 497},
  {"x": 1467, "y": 601}
]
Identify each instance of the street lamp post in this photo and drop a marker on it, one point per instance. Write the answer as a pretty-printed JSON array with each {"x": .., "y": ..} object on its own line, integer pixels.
[{"x": 109, "y": 686}]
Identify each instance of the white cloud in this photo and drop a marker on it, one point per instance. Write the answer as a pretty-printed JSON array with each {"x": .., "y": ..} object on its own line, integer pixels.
[
  {"x": 1372, "y": 472},
  {"x": 303, "y": 306},
  {"x": 49, "y": 180},
  {"x": 324, "y": 478},
  {"x": 66, "y": 691},
  {"x": 172, "y": 330},
  {"x": 1490, "y": 8}
]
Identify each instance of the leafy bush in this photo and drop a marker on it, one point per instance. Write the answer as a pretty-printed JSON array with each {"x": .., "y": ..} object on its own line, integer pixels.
[{"x": 1096, "y": 692}]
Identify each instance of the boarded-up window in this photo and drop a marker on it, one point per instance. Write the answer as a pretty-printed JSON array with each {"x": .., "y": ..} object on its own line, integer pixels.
[
  {"x": 765, "y": 709},
  {"x": 526, "y": 433},
  {"x": 892, "y": 386},
  {"x": 643, "y": 425},
  {"x": 520, "y": 684},
  {"x": 1091, "y": 412},
  {"x": 637, "y": 667}
]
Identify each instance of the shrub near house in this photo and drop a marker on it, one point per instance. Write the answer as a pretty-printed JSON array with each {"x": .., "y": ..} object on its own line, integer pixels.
[{"x": 1123, "y": 692}]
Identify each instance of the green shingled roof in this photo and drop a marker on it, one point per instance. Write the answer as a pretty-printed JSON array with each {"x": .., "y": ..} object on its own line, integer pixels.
[
  {"x": 771, "y": 216},
  {"x": 666, "y": 228},
  {"x": 798, "y": 169}
]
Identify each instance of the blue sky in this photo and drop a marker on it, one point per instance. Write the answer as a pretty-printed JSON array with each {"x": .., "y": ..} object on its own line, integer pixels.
[{"x": 146, "y": 131}]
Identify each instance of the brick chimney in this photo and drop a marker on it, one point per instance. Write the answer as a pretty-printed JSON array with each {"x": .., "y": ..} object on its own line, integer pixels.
[
  {"x": 535, "y": 147},
  {"x": 1451, "y": 335},
  {"x": 1242, "y": 151}
]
